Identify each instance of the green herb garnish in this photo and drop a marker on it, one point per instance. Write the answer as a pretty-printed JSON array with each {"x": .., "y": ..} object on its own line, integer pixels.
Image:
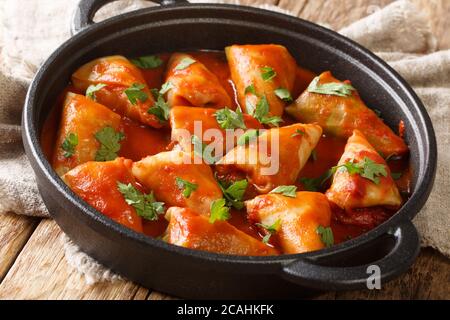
[
  {"x": 147, "y": 62},
  {"x": 184, "y": 63},
  {"x": 234, "y": 193},
  {"x": 109, "y": 144},
  {"x": 283, "y": 94},
  {"x": 219, "y": 211},
  {"x": 396, "y": 175},
  {"x": 92, "y": 89},
  {"x": 69, "y": 144},
  {"x": 250, "y": 89},
  {"x": 166, "y": 87},
  {"x": 229, "y": 119},
  {"x": 267, "y": 73},
  {"x": 297, "y": 133},
  {"x": 272, "y": 229},
  {"x": 160, "y": 109},
  {"x": 261, "y": 112},
  {"x": 287, "y": 191},
  {"x": 135, "y": 93},
  {"x": 186, "y": 186},
  {"x": 326, "y": 235},
  {"x": 145, "y": 204},
  {"x": 332, "y": 88}
]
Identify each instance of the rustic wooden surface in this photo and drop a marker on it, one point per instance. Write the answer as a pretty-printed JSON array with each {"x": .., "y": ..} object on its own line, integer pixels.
[{"x": 32, "y": 264}]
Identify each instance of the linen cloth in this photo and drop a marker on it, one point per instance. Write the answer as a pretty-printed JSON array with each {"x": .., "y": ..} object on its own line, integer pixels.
[{"x": 398, "y": 33}]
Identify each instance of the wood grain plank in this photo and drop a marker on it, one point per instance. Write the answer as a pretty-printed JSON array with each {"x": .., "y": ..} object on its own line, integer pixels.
[
  {"x": 41, "y": 272},
  {"x": 15, "y": 230},
  {"x": 428, "y": 278}
]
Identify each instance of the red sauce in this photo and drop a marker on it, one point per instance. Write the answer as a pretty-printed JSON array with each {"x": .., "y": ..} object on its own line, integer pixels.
[{"x": 141, "y": 141}]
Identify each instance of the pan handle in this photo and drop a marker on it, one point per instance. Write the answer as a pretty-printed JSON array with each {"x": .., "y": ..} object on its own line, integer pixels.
[
  {"x": 311, "y": 274},
  {"x": 86, "y": 10}
]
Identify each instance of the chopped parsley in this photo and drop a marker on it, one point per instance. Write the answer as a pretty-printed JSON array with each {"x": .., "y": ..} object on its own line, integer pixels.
[
  {"x": 92, "y": 89},
  {"x": 160, "y": 109},
  {"x": 135, "y": 93},
  {"x": 267, "y": 73},
  {"x": 332, "y": 88},
  {"x": 283, "y": 94},
  {"x": 261, "y": 112},
  {"x": 287, "y": 191},
  {"x": 271, "y": 230},
  {"x": 234, "y": 193},
  {"x": 396, "y": 175},
  {"x": 229, "y": 119},
  {"x": 186, "y": 186},
  {"x": 184, "y": 63},
  {"x": 145, "y": 204},
  {"x": 297, "y": 133},
  {"x": 219, "y": 211},
  {"x": 109, "y": 144},
  {"x": 69, "y": 144},
  {"x": 326, "y": 235},
  {"x": 250, "y": 89},
  {"x": 147, "y": 62},
  {"x": 166, "y": 87}
]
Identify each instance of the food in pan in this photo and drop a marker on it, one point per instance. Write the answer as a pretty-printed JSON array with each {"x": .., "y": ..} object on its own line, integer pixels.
[{"x": 240, "y": 152}]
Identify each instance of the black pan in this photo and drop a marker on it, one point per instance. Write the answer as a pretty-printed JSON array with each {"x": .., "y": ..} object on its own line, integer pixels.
[{"x": 393, "y": 246}]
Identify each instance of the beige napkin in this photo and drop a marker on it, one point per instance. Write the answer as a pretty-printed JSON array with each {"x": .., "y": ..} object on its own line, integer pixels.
[{"x": 398, "y": 33}]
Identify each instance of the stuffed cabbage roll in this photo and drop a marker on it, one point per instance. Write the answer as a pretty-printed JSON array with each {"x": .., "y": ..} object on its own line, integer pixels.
[
  {"x": 275, "y": 157},
  {"x": 266, "y": 69},
  {"x": 120, "y": 86},
  {"x": 192, "y": 84},
  {"x": 97, "y": 184},
  {"x": 81, "y": 120},
  {"x": 339, "y": 110},
  {"x": 194, "y": 231},
  {"x": 362, "y": 178},
  {"x": 183, "y": 120},
  {"x": 296, "y": 223},
  {"x": 177, "y": 181}
]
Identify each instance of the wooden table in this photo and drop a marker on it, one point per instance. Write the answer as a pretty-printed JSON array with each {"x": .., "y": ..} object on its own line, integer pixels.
[{"x": 32, "y": 263}]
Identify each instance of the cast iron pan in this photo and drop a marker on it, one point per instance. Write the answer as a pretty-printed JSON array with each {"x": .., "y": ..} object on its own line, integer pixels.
[{"x": 176, "y": 25}]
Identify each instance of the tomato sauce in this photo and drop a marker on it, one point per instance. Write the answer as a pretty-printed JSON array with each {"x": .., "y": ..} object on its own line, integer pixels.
[{"x": 141, "y": 141}]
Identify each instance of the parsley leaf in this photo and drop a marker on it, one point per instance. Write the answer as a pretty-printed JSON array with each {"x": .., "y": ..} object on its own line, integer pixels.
[
  {"x": 287, "y": 191},
  {"x": 219, "y": 211},
  {"x": 147, "y": 62},
  {"x": 297, "y": 133},
  {"x": 184, "y": 63},
  {"x": 92, "y": 89},
  {"x": 234, "y": 193},
  {"x": 267, "y": 73},
  {"x": 283, "y": 94},
  {"x": 367, "y": 169},
  {"x": 166, "y": 87},
  {"x": 109, "y": 144},
  {"x": 135, "y": 93},
  {"x": 247, "y": 137},
  {"x": 145, "y": 204},
  {"x": 250, "y": 89},
  {"x": 160, "y": 109},
  {"x": 262, "y": 110},
  {"x": 332, "y": 88},
  {"x": 199, "y": 150},
  {"x": 69, "y": 144},
  {"x": 186, "y": 186},
  {"x": 272, "y": 229},
  {"x": 326, "y": 235},
  {"x": 229, "y": 119}
]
